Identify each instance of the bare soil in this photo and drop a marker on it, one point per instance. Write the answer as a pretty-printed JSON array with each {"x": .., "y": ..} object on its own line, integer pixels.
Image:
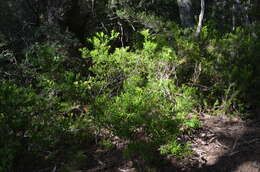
[
  {"x": 221, "y": 145},
  {"x": 228, "y": 145}
]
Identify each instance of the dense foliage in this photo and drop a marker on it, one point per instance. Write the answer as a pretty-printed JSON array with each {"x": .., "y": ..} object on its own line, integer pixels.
[{"x": 138, "y": 76}]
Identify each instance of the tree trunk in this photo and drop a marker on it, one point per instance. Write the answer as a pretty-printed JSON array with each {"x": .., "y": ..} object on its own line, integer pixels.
[
  {"x": 186, "y": 13},
  {"x": 202, "y": 11}
]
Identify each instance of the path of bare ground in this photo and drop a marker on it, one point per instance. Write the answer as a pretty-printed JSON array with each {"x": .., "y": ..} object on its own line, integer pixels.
[
  {"x": 222, "y": 145},
  {"x": 229, "y": 145}
]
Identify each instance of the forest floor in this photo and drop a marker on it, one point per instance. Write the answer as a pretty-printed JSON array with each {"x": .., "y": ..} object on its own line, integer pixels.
[
  {"x": 222, "y": 144},
  {"x": 228, "y": 145}
]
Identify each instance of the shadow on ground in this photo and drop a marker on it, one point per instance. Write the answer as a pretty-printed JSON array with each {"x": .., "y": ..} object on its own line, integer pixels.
[{"x": 239, "y": 147}]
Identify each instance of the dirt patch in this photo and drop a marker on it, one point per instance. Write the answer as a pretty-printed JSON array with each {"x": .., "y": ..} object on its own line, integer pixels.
[
  {"x": 221, "y": 145},
  {"x": 228, "y": 145}
]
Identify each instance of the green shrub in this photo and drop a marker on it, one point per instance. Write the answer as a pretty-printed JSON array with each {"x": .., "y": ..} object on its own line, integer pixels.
[
  {"x": 223, "y": 67},
  {"x": 136, "y": 92},
  {"x": 37, "y": 114},
  {"x": 29, "y": 123}
]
